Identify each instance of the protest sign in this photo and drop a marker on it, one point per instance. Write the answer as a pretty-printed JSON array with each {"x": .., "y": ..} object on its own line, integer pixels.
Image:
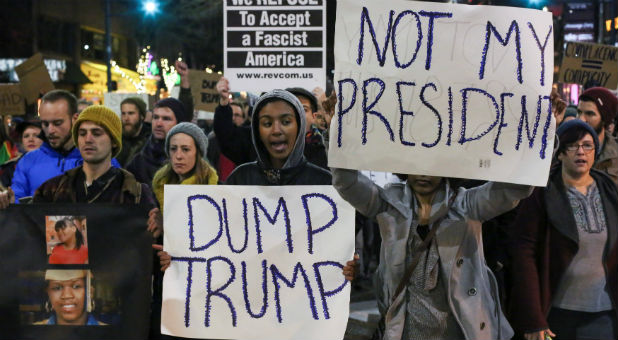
[
  {"x": 110, "y": 284},
  {"x": 34, "y": 78},
  {"x": 274, "y": 44},
  {"x": 11, "y": 100},
  {"x": 256, "y": 262},
  {"x": 204, "y": 90},
  {"x": 113, "y": 100},
  {"x": 447, "y": 90},
  {"x": 586, "y": 62}
]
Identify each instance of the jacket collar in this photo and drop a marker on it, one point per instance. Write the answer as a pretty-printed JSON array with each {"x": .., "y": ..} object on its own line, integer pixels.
[
  {"x": 609, "y": 150},
  {"x": 439, "y": 206},
  {"x": 48, "y": 150},
  {"x": 558, "y": 206}
]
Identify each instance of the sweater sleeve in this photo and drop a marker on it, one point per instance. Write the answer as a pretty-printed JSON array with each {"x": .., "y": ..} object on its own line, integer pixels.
[
  {"x": 234, "y": 141},
  {"x": 186, "y": 98},
  {"x": 491, "y": 199},
  {"x": 525, "y": 250}
]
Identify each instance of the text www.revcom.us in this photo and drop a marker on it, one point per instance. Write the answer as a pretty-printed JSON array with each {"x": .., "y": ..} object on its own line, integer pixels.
[{"x": 273, "y": 75}]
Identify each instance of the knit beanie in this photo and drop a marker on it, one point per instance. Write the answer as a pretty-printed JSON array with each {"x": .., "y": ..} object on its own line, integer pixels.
[
  {"x": 177, "y": 107},
  {"x": 200, "y": 139},
  {"x": 300, "y": 92},
  {"x": 606, "y": 102},
  {"x": 571, "y": 111},
  {"x": 580, "y": 125},
  {"x": 108, "y": 119},
  {"x": 138, "y": 102}
]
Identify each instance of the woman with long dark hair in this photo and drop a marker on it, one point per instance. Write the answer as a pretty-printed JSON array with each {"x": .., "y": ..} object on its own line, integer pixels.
[{"x": 72, "y": 248}]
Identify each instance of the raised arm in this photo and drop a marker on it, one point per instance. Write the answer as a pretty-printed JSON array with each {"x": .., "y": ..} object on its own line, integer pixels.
[
  {"x": 234, "y": 141},
  {"x": 364, "y": 195},
  {"x": 491, "y": 199}
]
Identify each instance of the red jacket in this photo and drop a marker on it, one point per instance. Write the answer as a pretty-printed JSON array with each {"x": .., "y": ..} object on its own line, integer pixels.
[{"x": 544, "y": 244}]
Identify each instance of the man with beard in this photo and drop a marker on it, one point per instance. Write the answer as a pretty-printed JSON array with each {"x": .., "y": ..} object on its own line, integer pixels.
[
  {"x": 597, "y": 107},
  {"x": 58, "y": 112},
  {"x": 97, "y": 132},
  {"x": 135, "y": 131}
]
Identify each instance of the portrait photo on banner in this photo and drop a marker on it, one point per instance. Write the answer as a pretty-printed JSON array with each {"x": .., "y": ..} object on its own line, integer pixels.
[
  {"x": 67, "y": 297},
  {"x": 66, "y": 239}
]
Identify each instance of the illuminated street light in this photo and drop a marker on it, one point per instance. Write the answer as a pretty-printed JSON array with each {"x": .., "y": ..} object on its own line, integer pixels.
[{"x": 151, "y": 7}]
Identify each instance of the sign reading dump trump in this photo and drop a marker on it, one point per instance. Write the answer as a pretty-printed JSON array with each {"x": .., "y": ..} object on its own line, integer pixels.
[
  {"x": 445, "y": 90},
  {"x": 273, "y": 44},
  {"x": 256, "y": 262}
]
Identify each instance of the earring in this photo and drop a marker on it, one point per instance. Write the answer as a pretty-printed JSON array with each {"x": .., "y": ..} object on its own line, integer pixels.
[{"x": 48, "y": 307}]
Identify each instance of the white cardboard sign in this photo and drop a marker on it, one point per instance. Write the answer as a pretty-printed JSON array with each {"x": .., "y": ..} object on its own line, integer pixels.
[
  {"x": 256, "y": 262},
  {"x": 444, "y": 90}
]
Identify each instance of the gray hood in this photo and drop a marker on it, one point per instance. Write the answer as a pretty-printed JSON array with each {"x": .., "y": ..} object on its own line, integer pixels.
[{"x": 296, "y": 156}]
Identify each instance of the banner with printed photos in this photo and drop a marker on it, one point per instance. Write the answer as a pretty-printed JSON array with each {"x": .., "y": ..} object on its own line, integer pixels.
[{"x": 75, "y": 271}]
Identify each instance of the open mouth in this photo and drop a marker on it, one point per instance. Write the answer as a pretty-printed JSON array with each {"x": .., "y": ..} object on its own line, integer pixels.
[
  {"x": 581, "y": 162},
  {"x": 279, "y": 146}
]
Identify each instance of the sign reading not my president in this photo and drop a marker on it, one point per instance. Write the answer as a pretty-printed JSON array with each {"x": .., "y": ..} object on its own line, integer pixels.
[{"x": 444, "y": 90}]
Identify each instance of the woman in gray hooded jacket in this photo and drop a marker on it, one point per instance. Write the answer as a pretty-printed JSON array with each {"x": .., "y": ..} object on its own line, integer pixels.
[
  {"x": 451, "y": 294},
  {"x": 278, "y": 134}
]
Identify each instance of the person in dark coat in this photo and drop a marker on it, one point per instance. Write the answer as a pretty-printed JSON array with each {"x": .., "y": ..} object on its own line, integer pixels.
[
  {"x": 167, "y": 113},
  {"x": 135, "y": 131},
  {"x": 278, "y": 130},
  {"x": 564, "y": 253}
]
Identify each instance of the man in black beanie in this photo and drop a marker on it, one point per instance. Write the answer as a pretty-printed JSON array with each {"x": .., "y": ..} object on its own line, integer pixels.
[{"x": 166, "y": 114}]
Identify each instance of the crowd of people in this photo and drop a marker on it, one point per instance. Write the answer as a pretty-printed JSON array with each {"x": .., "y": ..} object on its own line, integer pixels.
[{"x": 452, "y": 259}]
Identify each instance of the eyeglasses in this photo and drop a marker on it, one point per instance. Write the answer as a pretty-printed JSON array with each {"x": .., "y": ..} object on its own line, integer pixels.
[{"x": 574, "y": 147}]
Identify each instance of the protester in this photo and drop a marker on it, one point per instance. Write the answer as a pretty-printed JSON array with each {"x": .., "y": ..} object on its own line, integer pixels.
[
  {"x": 278, "y": 127},
  {"x": 236, "y": 143},
  {"x": 451, "y": 292},
  {"x": 278, "y": 139},
  {"x": 558, "y": 106},
  {"x": 135, "y": 131},
  {"x": 565, "y": 258},
  {"x": 82, "y": 104},
  {"x": 597, "y": 106},
  {"x": 167, "y": 113},
  {"x": 97, "y": 132},
  {"x": 570, "y": 113},
  {"x": 218, "y": 160},
  {"x": 67, "y": 291},
  {"x": 30, "y": 139},
  {"x": 58, "y": 111},
  {"x": 8, "y": 149},
  {"x": 71, "y": 249},
  {"x": 185, "y": 146}
]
